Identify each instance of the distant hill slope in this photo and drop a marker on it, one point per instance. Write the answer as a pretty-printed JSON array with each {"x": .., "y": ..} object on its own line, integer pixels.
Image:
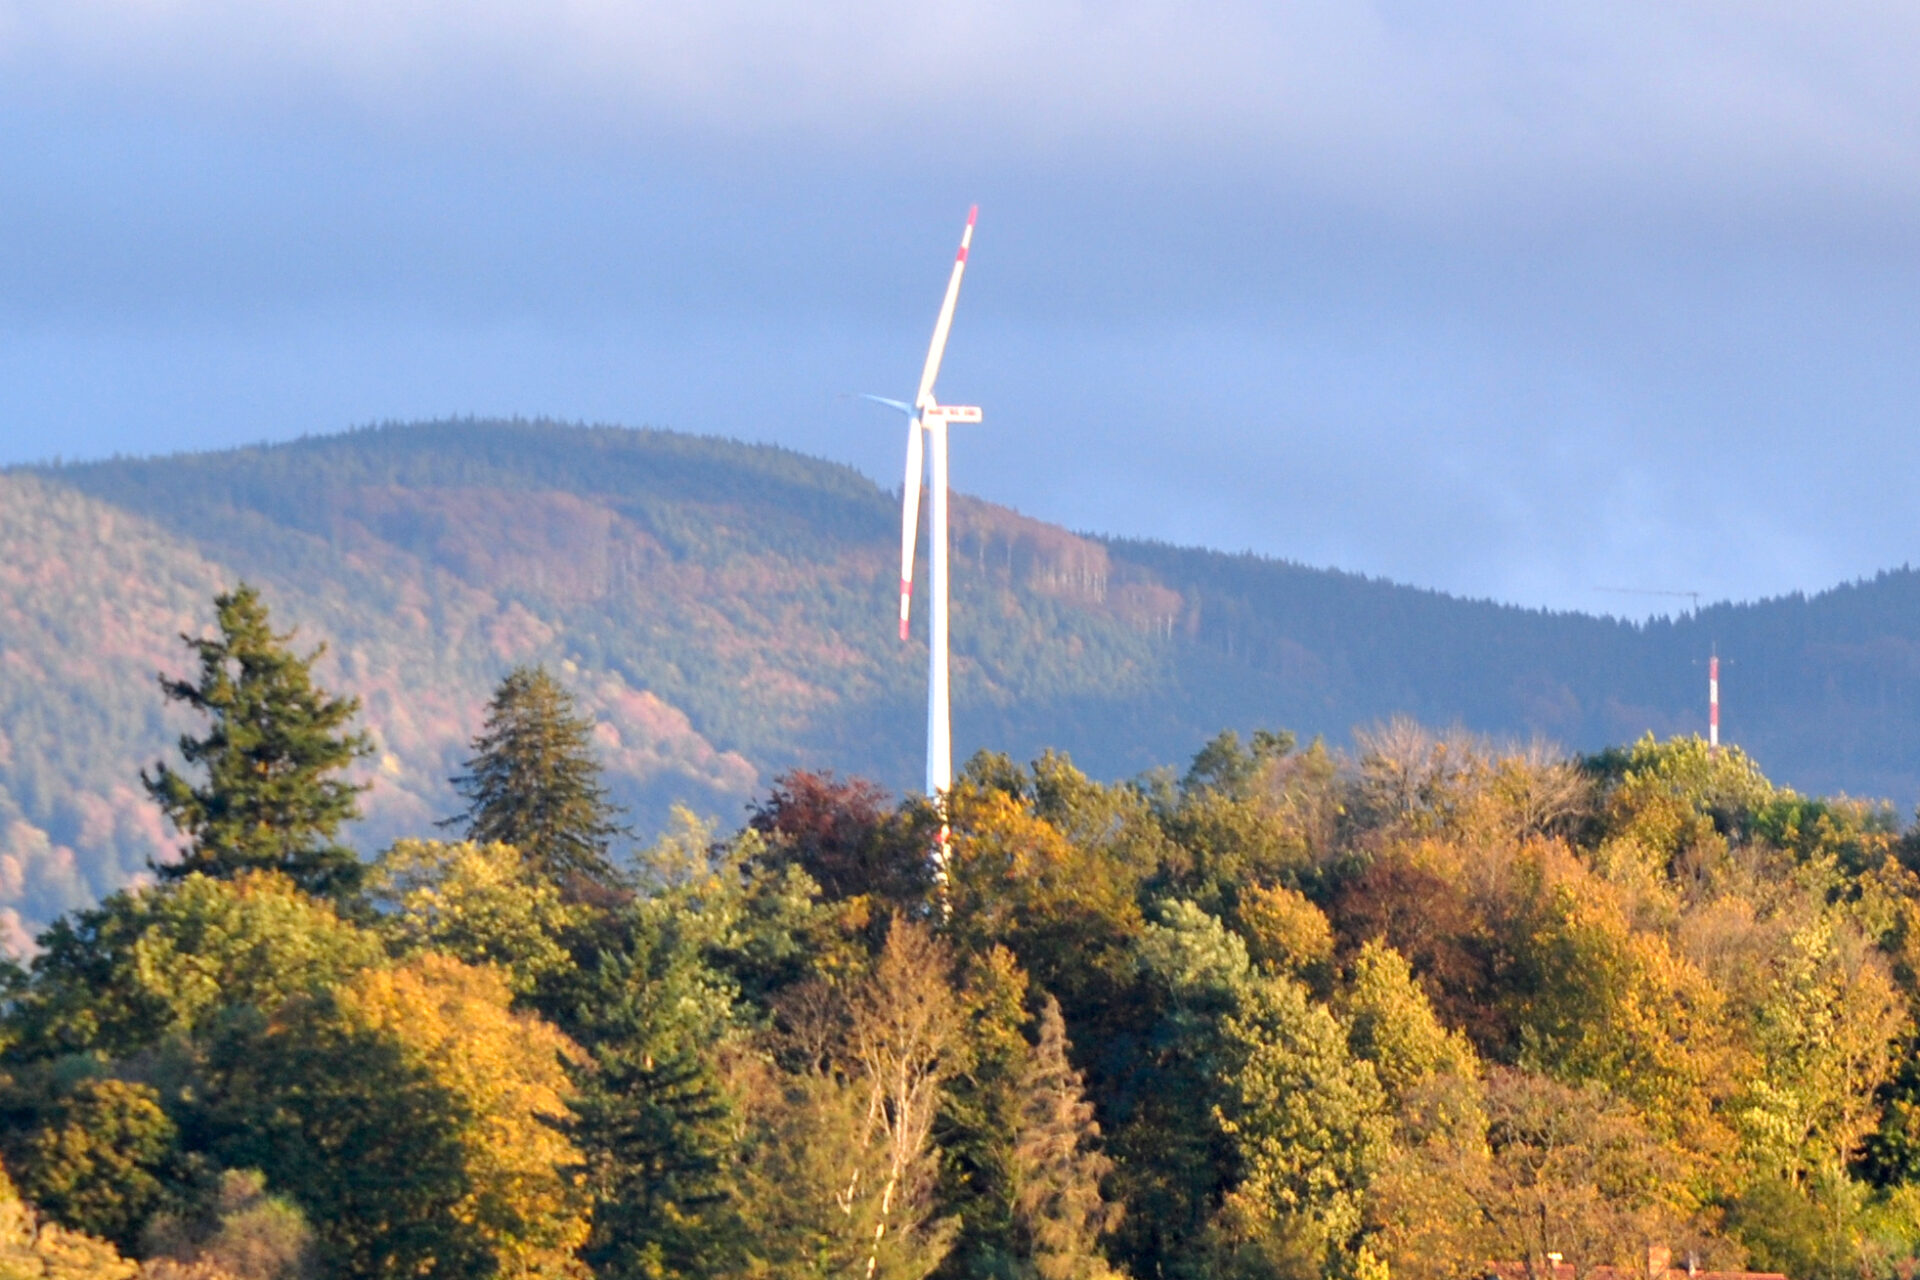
[{"x": 725, "y": 609}]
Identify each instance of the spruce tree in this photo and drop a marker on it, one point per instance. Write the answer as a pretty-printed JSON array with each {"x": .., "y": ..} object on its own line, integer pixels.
[
  {"x": 1058, "y": 1209},
  {"x": 651, "y": 1115},
  {"x": 533, "y": 783},
  {"x": 277, "y": 743}
]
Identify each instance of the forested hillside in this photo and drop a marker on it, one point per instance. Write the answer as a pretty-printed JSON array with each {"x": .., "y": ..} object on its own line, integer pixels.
[
  {"x": 1423, "y": 1009},
  {"x": 724, "y": 612}
]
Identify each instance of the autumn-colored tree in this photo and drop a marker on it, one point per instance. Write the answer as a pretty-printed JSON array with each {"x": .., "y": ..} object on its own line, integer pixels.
[
  {"x": 1679, "y": 793},
  {"x": 1401, "y": 1012},
  {"x": 32, "y": 1248},
  {"x": 1069, "y": 912},
  {"x": 1414, "y": 899},
  {"x": 1287, "y": 933},
  {"x": 840, "y": 1172},
  {"x": 242, "y": 1232},
  {"x": 1419, "y": 1218},
  {"x": 903, "y": 1042},
  {"x": 804, "y": 1168},
  {"x": 1413, "y": 781},
  {"x": 412, "y": 1113},
  {"x": 272, "y": 798},
  {"x": 1060, "y": 1212},
  {"x": 1422, "y": 1219},
  {"x": 1573, "y": 1172},
  {"x": 845, "y": 836},
  {"x": 1596, "y": 999}
]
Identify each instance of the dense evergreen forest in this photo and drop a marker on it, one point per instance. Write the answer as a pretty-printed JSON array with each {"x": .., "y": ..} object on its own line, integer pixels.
[
  {"x": 1284, "y": 1012},
  {"x": 722, "y": 611}
]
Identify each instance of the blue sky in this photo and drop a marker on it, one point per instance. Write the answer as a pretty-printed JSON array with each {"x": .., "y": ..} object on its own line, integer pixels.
[{"x": 1508, "y": 299}]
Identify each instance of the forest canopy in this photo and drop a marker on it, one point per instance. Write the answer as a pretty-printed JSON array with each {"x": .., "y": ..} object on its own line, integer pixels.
[{"x": 1411, "y": 1009}]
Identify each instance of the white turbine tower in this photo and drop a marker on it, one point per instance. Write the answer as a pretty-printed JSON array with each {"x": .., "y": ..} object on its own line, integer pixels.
[{"x": 928, "y": 416}]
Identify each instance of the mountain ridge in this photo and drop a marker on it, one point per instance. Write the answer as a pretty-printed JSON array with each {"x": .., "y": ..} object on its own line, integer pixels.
[{"x": 724, "y": 610}]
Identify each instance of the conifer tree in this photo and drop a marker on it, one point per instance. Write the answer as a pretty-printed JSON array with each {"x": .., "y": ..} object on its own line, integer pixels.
[
  {"x": 272, "y": 798},
  {"x": 1058, "y": 1207},
  {"x": 653, "y": 1122},
  {"x": 533, "y": 783}
]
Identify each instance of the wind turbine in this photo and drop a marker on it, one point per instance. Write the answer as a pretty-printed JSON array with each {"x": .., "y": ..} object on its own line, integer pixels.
[{"x": 927, "y": 421}]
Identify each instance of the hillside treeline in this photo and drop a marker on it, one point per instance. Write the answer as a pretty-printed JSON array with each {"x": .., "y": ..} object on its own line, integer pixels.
[
  {"x": 724, "y": 612},
  {"x": 1284, "y": 1013}
]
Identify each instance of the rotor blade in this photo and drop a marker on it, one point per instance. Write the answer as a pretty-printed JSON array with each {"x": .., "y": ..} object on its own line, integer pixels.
[
  {"x": 901, "y": 405},
  {"x": 945, "y": 322},
  {"x": 909, "y": 517}
]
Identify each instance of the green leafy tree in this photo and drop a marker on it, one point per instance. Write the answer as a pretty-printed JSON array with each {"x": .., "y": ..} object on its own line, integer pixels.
[
  {"x": 1224, "y": 765},
  {"x": 1826, "y": 1034},
  {"x": 367, "y": 1140},
  {"x": 170, "y": 959},
  {"x": 98, "y": 1161},
  {"x": 478, "y": 903},
  {"x": 534, "y": 783},
  {"x": 805, "y": 1166},
  {"x": 1309, "y": 1121},
  {"x": 1175, "y": 1160},
  {"x": 979, "y": 1121},
  {"x": 1391, "y": 1024},
  {"x": 272, "y": 798}
]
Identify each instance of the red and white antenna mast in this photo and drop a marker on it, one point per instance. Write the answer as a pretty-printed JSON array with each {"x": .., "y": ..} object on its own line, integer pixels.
[{"x": 1713, "y": 705}]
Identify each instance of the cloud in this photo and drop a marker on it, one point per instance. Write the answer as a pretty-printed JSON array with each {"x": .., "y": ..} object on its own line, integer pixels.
[{"x": 1434, "y": 105}]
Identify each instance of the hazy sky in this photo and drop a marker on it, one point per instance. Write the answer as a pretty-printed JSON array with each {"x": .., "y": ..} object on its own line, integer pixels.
[{"x": 1513, "y": 299}]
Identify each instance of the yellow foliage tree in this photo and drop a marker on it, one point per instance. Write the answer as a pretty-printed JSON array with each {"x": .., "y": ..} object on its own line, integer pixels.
[
  {"x": 506, "y": 1071},
  {"x": 1602, "y": 1001},
  {"x": 1825, "y": 1035},
  {"x": 34, "y": 1250},
  {"x": 1391, "y": 1024},
  {"x": 1067, "y": 911},
  {"x": 409, "y": 1112},
  {"x": 1285, "y": 932}
]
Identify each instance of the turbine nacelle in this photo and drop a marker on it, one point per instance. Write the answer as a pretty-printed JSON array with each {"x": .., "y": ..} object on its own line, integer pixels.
[
  {"x": 929, "y": 412},
  {"x": 950, "y": 413}
]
